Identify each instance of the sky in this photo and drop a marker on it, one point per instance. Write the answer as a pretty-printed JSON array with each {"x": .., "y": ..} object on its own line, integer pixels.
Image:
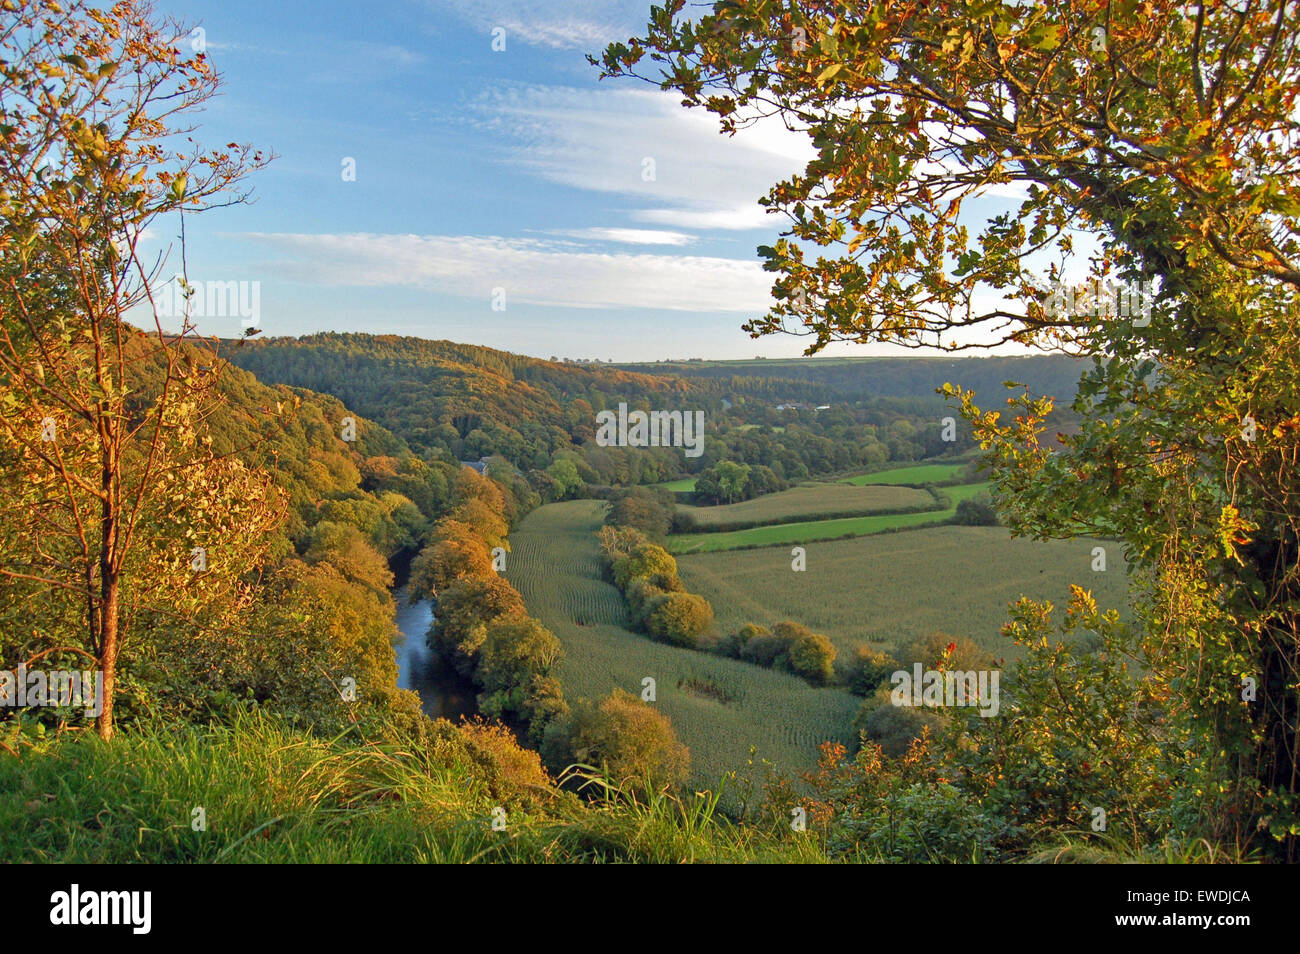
[{"x": 423, "y": 177}]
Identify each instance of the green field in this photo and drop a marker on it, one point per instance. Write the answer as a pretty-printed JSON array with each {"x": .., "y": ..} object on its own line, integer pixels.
[
  {"x": 554, "y": 562},
  {"x": 888, "y": 588},
  {"x": 811, "y": 530},
  {"x": 683, "y": 486},
  {"x": 920, "y": 474},
  {"x": 810, "y": 500}
]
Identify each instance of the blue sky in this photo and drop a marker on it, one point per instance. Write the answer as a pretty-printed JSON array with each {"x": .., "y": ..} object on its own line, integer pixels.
[{"x": 478, "y": 170}]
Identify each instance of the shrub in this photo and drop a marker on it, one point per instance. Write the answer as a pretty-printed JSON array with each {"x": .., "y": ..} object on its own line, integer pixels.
[
  {"x": 678, "y": 618},
  {"x": 933, "y": 648},
  {"x": 631, "y": 742},
  {"x": 616, "y": 542},
  {"x": 639, "y": 596},
  {"x": 791, "y": 647},
  {"x": 977, "y": 511},
  {"x": 894, "y": 727},
  {"x": 644, "y": 510},
  {"x": 733, "y": 645},
  {"x": 644, "y": 561},
  {"x": 868, "y": 670},
  {"x": 807, "y": 654}
]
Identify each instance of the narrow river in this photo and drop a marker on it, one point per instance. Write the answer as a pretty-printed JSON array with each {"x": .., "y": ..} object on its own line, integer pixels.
[{"x": 442, "y": 692}]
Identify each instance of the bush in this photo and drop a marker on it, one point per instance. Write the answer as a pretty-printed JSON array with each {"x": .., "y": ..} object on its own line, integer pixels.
[
  {"x": 631, "y": 742},
  {"x": 678, "y": 618},
  {"x": 894, "y": 727},
  {"x": 868, "y": 670},
  {"x": 791, "y": 647},
  {"x": 645, "y": 561},
  {"x": 956, "y": 653},
  {"x": 616, "y": 542},
  {"x": 977, "y": 511},
  {"x": 733, "y": 645},
  {"x": 807, "y": 654}
]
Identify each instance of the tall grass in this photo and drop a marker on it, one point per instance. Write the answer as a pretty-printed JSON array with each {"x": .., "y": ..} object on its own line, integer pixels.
[{"x": 274, "y": 795}]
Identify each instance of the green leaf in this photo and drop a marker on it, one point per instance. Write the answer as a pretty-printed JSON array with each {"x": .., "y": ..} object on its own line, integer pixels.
[{"x": 829, "y": 72}]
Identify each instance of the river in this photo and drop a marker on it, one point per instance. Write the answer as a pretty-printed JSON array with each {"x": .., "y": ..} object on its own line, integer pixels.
[{"x": 442, "y": 692}]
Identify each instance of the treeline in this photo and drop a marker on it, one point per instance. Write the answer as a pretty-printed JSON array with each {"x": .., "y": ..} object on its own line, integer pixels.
[{"x": 460, "y": 402}]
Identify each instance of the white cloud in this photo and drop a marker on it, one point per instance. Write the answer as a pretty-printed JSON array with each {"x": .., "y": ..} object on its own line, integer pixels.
[
  {"x": 586, "y": 25},
  {"x": 628, "y": 236},
  {"x": 644, "y": 145},
  {"x": 531, "y": 271}
]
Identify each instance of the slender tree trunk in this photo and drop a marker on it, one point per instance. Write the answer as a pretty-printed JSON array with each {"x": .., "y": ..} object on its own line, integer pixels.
[
  {"x": 108, "y": 655},
  {"x": 109, "y": 580}
]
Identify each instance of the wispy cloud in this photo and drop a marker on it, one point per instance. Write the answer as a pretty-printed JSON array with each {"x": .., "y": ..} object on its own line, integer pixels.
[
  {"x": 531, "y": 271},
  {"x": 628, "y": 236},
  {"x": 643, "y": 145},
  {"x": 584, "y": 25}
]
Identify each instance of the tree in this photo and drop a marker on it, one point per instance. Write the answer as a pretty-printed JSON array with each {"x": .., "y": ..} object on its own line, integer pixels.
[
  {"x": 565, "y": 474},
  {"x": 1166, "y": 132},
  {"x": 514, "y": 650},
  {"x": 102, "y": 426},
  {"x": 465, "y": 610},
  {"x": 445, "y": 561}
]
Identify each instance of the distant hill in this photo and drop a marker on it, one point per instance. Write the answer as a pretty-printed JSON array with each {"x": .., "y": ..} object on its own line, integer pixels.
[
  {"x": 857, "y": 379},
  {"x": 436, "y": 394},
  {"x": 469, "y": 402}
]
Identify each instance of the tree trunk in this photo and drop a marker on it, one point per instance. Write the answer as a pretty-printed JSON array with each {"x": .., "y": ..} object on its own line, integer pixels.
[{"x": 108, "y": 655}]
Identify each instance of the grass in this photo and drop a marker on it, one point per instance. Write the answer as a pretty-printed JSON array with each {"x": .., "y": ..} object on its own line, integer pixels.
[
  {"x": 813, "y": 530},
  {"x": 920, "y": 474},
  {"x": 684, "y": 486},
  {"x": 719, "y": 707},
  {"x": 884, "y": 590},
  {"x": 274, "y": 795},
  {"x": 809, "y": 501}
]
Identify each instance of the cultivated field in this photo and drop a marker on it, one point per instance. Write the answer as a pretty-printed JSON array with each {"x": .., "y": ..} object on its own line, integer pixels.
[
  {"x": 811, "y": 500},
  {"x": 719, "y": 707},
  {"x": 811, "y": 530},
  {"x": 920, "y": 474},
  {"x": 885, "y": 589}
]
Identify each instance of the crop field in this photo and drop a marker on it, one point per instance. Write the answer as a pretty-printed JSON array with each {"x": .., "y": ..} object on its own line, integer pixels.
[
  {"x": 886, "y": 589},
  {"x": 808, "y": 501},
  {"x": 719, "y": 707},
  {"x": 920, "y": 474},
  {"x": 811, "y": 530}
]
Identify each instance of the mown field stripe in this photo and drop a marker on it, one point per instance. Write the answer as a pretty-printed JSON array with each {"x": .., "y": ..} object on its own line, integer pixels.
[{"x": 807, "y": 530}]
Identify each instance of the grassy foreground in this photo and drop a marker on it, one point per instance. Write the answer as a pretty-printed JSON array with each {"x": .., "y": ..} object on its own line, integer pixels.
[{"x": 275, "y": 795}]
